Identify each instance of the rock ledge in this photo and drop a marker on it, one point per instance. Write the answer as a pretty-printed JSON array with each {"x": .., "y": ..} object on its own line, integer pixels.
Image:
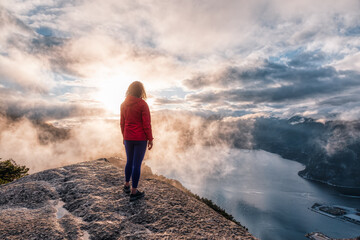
[{"x": 85, "y": 201}]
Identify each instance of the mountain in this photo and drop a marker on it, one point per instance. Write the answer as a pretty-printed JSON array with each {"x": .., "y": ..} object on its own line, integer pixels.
[
  {"x": 85, "y": 201},
  {"x": 330, "y": 151}
]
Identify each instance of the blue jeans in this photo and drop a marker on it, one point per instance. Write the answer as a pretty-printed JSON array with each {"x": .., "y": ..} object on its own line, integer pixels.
[{"x": 135, "y": 152}]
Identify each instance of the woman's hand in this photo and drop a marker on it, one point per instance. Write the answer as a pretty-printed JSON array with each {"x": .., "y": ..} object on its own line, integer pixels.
[{"x": 150, "y": 144}]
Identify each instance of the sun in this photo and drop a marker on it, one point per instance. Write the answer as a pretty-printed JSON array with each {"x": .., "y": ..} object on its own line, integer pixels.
[{"x": 111, "y": 93}]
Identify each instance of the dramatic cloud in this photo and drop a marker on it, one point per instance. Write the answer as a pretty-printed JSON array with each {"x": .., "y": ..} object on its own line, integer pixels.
[
  {"x": 272, "y": 57},
  {"x": 273, "y": 83}
]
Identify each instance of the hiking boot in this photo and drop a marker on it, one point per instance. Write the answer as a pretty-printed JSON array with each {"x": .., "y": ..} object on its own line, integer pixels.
[
  {"x": 126, "y": 189},
  {"x": 136, "y": 196}
]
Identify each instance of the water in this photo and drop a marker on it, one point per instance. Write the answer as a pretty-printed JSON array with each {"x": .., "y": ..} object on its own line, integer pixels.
[{"x": 262, "y": 191}]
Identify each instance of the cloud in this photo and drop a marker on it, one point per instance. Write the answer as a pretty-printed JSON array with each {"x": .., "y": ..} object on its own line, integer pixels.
[
  {"x": 350, "y": 62},
  {"x": 341, "y": 100},
  {"x": 195, "y": 30},
  {"x": 260, "y": 52},
  {"x": 19, "y": 67},
  {"x": 27, "y": 72},
  {"x": 15, "y": 104},
  {"x": 161, "y": 101},
  {"x": 12, "y": 29},
  {"x": 274, "y": 82},
  {"x": 96, "y": 66},
  {"x": 97, "y": 55}
]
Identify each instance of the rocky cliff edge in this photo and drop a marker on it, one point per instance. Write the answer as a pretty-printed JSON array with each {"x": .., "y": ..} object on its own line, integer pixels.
[{"x": 85, "y": 201}]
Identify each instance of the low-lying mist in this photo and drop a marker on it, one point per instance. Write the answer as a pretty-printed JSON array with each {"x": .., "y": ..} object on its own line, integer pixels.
[
  {"x": 179, "y": 138},
  {"x": 40, "y": 146},
  {"x": 187, "y": 143}
]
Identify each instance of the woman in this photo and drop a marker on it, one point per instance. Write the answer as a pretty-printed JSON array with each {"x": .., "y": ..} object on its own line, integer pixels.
[{"x": 135, "y": 125}]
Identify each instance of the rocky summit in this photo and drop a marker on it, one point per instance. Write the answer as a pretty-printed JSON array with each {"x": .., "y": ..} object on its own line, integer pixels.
[{"x": 86, "y": 201}]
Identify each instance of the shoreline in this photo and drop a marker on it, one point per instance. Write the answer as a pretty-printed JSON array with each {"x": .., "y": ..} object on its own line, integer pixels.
[{"x": 344, "y": 190}]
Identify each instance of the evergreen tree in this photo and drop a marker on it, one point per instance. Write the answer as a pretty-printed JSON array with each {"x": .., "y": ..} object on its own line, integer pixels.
[{"x": 10, "y": 171}]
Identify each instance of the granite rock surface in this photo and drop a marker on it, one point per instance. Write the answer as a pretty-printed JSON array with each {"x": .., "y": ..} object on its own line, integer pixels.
[{"x": 86, "y": 201}]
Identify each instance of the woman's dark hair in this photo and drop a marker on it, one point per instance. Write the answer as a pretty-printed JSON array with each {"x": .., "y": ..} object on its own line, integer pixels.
[{"x": 136, "y": 89}]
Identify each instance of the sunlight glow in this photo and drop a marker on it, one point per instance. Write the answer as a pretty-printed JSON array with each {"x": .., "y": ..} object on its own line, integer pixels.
[
  {"x": 112, "y": 93},
  {"x": 150, "y": 101}
]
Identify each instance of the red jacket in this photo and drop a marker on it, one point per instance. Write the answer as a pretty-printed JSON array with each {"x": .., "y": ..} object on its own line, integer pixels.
[{"x": 135, "y": 119}]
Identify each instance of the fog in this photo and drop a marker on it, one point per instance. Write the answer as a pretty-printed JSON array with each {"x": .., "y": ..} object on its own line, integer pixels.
[
  {"x": 187, "y": 144},
  {"x": 180, "y": 139},
  {"x": 23, "y": 141}
]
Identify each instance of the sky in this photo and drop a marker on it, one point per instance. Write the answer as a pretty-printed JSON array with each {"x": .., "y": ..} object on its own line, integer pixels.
[{"x": 62, "y": 59}]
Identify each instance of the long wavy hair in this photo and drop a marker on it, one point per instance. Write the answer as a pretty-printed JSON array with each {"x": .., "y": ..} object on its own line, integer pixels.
[{"x": 136, "y": 89}]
